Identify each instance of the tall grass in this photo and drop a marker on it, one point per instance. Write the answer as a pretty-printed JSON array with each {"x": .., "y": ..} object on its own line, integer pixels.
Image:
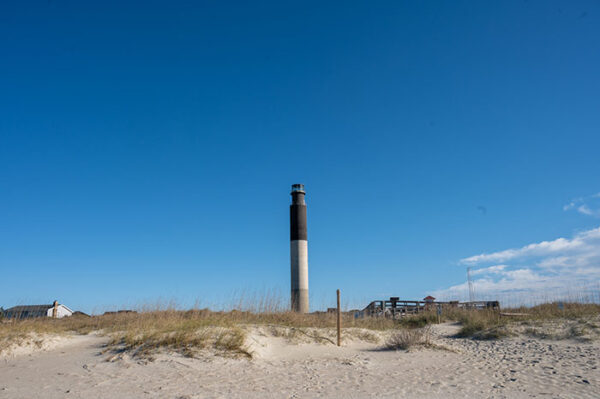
[
  {"x": 488, "y": 324},
  {"x": 189, "y": 332},
  {"x": 407, "y": 338},
  {"x": 492, "y": 324},
  {"x": 186, "y": 332}
]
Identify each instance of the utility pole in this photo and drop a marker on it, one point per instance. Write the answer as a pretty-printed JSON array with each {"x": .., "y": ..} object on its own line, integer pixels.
[{"x": 471, "y": 288}]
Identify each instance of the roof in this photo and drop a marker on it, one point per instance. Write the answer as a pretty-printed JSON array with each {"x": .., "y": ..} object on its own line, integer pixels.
[
  {"x": 29, "y": 308},
  {"x": 428, "y": 297},
  {"x": 29, "y": 311},
  {"x": 78, "y": 313}
]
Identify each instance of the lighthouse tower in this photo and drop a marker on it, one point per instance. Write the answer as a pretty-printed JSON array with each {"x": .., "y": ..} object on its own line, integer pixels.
[{"x": 299, "y": 250}]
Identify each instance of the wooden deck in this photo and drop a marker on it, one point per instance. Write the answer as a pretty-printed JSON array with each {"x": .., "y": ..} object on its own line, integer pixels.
[{"x": 396, "y": 308}]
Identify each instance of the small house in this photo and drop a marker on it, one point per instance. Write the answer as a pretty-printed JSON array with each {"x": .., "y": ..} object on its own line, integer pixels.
[
  {"x": 429, "y": 300},
  {"x": 55, "y": 310}
]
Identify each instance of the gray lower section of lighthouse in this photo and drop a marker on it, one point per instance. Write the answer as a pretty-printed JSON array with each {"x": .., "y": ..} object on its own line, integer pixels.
[{"x": 299, "y": 264}]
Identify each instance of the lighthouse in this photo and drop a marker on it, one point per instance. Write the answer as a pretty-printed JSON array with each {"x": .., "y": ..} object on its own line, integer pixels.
[{"x": 298, "y": 250}]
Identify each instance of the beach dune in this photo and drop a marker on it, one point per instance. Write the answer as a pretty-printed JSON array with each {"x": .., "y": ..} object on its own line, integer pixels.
[{"x": 515, "y": 367}]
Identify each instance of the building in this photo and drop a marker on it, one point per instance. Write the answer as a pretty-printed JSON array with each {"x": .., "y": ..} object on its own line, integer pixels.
[{"x": 55, "y": 310}]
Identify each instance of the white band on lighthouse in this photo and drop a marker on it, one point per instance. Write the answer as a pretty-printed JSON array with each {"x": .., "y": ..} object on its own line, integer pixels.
[{"x": 299, "y": 263}]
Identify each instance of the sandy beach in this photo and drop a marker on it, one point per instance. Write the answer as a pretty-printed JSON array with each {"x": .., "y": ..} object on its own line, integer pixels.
[{"x": 515, "y": 367}]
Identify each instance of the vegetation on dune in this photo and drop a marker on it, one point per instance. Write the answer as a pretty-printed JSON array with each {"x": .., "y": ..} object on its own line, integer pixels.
[
  {"x": 420, "y": 320},
  {"x": 483, "y": 328},
  {"x": 488, "y": 324},
  {"x": 494, "y": 325},
  {"x": 406, "y": 338},
  {"x": 190, "y": 332},
  {"x": 186, "y": 332},
  {"x": 183, "y": 339},
  {"x": 549, "y": 311}
]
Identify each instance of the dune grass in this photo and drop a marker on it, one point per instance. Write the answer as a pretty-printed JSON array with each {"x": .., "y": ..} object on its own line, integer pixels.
[
  {"x": 186, "y": 332},
  {"x": 406, "y": 338},
  {"x": 488, "y": 324},
  {"x": 190, "y": 332},
  {"x": 549, "y": 311},
  {"x": 492, "y": 326}
]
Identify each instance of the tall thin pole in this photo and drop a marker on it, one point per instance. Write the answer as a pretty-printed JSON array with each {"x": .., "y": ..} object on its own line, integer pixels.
[
  {"x": 339, "y": 320},
  {"x": 471, "y": 288}
]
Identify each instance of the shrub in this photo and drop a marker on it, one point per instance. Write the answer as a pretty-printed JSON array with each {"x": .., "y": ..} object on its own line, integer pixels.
[
  {"x": 406, "y": 338},
  {"x": 482, "y": 325},
  {"x": 419, "y": 320}
]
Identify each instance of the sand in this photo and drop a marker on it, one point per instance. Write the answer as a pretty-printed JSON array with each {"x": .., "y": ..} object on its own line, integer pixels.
[{"x": 516, "y": 367}]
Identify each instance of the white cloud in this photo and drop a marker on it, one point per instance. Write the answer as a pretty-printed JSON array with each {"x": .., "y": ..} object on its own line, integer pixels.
[
  {"x": 558, "y": 269},
  {"x": 490, "y": 269},
  {"x": 544, "y": 248},
  {"x": 586, "y": 210},
  {"x": 589, "y": 205}
]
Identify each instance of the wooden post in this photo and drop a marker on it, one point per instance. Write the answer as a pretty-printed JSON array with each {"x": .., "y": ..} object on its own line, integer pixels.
[
  {"x": 55, "y": 310},
  {"x": 339, "y": 320}
]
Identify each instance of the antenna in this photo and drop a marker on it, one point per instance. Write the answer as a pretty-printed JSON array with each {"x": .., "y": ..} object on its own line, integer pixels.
[{"x": 471, "y": 288}]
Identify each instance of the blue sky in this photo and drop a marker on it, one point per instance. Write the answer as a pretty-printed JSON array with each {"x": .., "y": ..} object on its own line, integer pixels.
[{"x": 147, "y": 149}]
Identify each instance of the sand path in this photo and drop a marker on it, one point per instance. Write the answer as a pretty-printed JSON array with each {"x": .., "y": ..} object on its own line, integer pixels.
[{"x": 511, "y": 368}]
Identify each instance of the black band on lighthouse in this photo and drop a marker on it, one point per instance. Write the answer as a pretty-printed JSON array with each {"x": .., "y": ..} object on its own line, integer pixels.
[{"x": 298, "y": 222}]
